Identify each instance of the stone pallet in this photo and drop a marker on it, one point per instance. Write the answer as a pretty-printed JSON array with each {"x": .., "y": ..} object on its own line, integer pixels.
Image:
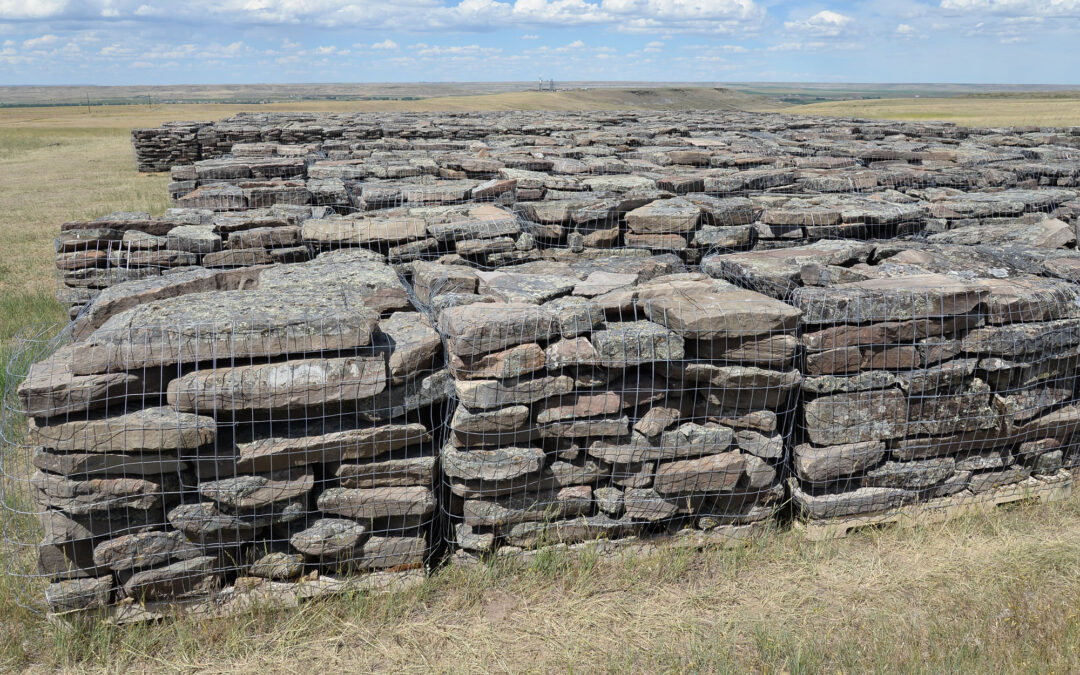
[
  {"x": 687, "y": 184},
  {"x": 185, "y": 437},
  {"x": 605, "y": 405},
  {"x": 1046, "y": 489},
  {"x": 629, "y": 325},
  {"x": 929, "y": 370},
  {"x": 494, "y": 352},
  {"x": 868, "y": 141}
]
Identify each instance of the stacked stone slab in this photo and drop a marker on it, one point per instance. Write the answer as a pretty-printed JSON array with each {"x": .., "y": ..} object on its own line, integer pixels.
[
  {"x": 94, "y": 255},
  {"x": 871, "y": 142},
  {"x": 193, "y": 435},
  {"x": 931, "y": 370},
  {"x": 630, "y": 324},
  {"x": 170, "y": 144},
  {"x": 787, "y": 220},
  {"x": 690, "y": 183},
  {"x": 602, "y": 400}
]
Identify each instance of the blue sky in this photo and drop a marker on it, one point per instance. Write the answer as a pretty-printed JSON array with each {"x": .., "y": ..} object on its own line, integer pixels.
[{"x": 236, "y": 41}]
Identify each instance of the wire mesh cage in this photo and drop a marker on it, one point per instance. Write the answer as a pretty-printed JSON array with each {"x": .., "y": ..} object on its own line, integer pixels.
[
  {"x": 177, "y": 445},
  {"x": 360, "y": 342},
  {"x": 620, "y": 408},
  {"x": 926, "y": 387}
]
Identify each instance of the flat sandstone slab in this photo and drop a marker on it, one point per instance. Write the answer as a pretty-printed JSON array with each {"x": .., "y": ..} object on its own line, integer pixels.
[
  {"x": 226, "y": 324},
  {"x": 147, "y": 430},
  {"x": 279, "y": 386}
]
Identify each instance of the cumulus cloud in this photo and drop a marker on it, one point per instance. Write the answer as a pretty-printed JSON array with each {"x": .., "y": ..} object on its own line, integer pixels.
[
  {"x": 1062, "y": 8},
  {"x": 411, "y": 15},
  {"x": 909, "y": 32},
  {"x": 31, "y": 9},
  {"x": 46, "y": 40},
  {"x": 406, "y": 39},
  {"x": 825, "y": 23}
]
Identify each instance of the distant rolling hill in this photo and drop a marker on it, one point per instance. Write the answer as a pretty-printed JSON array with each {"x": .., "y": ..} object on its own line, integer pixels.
[
  {"x": 419, "y": 97},
  {"x": 630, "y": 98}
]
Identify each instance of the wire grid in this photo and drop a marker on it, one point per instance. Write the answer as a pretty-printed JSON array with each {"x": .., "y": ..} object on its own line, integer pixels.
[
  {"x": 932, "y": 388},
  {"x": 658, "y": 205},
  {"x": 293, "y": 432},
  {"x": 614, "y": 413}
]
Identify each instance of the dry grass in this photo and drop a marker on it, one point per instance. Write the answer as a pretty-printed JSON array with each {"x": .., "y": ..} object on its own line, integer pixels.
[
  {"x": 983, "y": 111},
  {"x": 991, "y": 594},
  {"x": 47, "y": 176}
]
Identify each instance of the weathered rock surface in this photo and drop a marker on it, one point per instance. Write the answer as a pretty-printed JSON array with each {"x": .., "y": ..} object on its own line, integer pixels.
[
  {"x": 482, "y": 328},
  {"x": 331, "y": 441},
  {"x": 144, "y": 549},
  {"x": 279, "y": 386},
  {"x": 146, "y": 430},
  {"x": 329, "y": 538},
  {"x": 233, "y": 324},
  {"x": 380, "y": 502}
]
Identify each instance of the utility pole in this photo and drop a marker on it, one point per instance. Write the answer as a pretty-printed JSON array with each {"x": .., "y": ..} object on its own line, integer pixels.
[{"x": 87, "y": 103}]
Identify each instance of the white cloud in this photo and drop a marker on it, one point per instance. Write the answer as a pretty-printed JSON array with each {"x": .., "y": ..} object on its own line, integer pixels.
[
  {"x": 116, "y": 50},
  {"x": 409, "y": 15},
  {"x": 31, "y": 9},
  {"x": 909, "y": 32},
  {"x": 1064, "y": 8},
  {"x": 530, "y": 37},
  {"x": 385, "y": 44},
  {"x": 813, "y": 46},
  {"x": 825, "y": 23},
  {"x": 46, "y": 40},
  {"x": 575, "y": 46},
  {"x": 459, "y": 50}
]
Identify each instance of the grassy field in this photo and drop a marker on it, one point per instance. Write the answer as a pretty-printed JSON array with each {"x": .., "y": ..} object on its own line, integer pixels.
[
  {"x": 991, "y": 594},
  {"x": 978, "y": 111},
  {"x": 994, "y": 594}
]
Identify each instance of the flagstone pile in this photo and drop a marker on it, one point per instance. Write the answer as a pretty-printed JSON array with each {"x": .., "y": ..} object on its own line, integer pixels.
[
  {"x": 190, "y": 437},
  {"x": 360, "y": 341}
]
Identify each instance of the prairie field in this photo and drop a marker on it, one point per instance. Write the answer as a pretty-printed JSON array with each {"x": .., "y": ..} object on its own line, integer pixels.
[
  {"x": 977, "y": 111},
  {"x": 993, "y": 593}
]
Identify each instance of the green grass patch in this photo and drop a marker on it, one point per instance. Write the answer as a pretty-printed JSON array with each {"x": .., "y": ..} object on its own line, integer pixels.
[
  {"x": 18, "y": 141},
  {"x": 20, "y": 309}
]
